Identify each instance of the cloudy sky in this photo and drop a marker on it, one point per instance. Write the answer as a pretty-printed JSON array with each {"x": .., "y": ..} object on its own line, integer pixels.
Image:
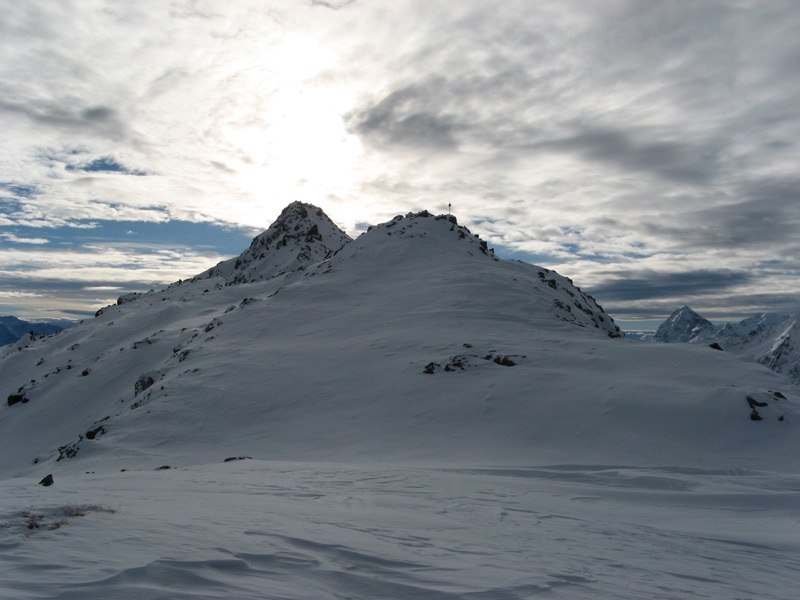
[{"x": 648, "y": 150}]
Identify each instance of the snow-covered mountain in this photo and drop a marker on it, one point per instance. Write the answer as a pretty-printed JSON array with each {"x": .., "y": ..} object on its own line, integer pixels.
[
  {"x": 12, "y": 329},
  {"x": 771, "y": 339},
  {"x": 684, "y": 325},
  {"x": 404, "y": 414}
]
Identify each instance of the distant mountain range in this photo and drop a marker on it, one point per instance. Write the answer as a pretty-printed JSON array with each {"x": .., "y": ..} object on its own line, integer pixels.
[
  {"x": 771, "y": 339},
  {"x": 12, "y": 328}
]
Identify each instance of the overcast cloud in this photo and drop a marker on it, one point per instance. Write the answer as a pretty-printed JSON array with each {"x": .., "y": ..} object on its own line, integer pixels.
[{"x": 647, "y": 150}]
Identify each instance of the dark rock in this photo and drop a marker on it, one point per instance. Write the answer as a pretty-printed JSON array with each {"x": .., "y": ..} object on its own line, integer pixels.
[
  {"x": 69, "y": 450},
  {"x": 753, "y": 402},
  {"x": 93, "y": 433},
  {"x": 430, "y": 368},
  {"x": 164, "y": 468},
  {"x": 754, "y": 416},
  {"x": 16, "y": 399},
  {"x": 233, "y": 458},
  {"x": 47, "y": 481},
  {"x": 145, "y": 381},
  {"x": 716, "y": 346},
  {"x": 504, "y": 360},
  {"x": 779, "y": 396}
]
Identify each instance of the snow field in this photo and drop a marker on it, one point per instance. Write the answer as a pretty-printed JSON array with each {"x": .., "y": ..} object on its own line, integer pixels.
[{"x": 324, "y": 530}]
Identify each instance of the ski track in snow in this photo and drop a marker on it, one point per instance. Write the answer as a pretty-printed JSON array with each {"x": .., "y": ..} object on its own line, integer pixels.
[{"x": 319, "y": 530}]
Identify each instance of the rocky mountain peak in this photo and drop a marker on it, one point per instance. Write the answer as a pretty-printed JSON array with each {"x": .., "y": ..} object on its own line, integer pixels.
[
  {"x": 684, "y": 325},
  {"x": 302, "y": 235}
]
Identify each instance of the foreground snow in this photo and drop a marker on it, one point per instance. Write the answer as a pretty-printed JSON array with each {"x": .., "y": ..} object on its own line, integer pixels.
[{"x": 251, "y": 529}]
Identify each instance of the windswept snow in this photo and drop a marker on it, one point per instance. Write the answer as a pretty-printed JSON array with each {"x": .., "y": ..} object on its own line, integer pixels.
[{"x": 407, "y": 415}]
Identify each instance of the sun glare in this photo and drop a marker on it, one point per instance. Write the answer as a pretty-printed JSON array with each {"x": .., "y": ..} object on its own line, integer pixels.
[{"x": 298, "y": 148}]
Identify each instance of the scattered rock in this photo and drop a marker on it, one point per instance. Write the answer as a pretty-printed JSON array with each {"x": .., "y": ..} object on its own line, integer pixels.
[
  {"x": 69, "y": 450},
  {"x": 716, "y": 346},
  {"x": 145, "y": 381},
  {"x": 233, "y": 458},
  {"x": 47, "y": 481},
  {"x": 17, "y": 399},
  {"x": 504, "y": 360},
  {"x": 430, "y": 368},
  {"x": 754, "y": 416}
]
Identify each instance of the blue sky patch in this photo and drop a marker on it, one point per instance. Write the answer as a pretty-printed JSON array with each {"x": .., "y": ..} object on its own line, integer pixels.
[{"x": 105, "y": 164}]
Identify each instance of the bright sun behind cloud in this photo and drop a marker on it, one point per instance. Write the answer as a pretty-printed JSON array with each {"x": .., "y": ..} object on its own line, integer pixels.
[{"x": 296, "y": 147}]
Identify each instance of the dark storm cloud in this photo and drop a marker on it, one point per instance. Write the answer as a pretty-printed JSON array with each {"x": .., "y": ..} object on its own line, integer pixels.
[
  {"x": 767, "y": 217},
  {"x": 632, "y": 152},
  {"x": 407, "y": 116},
  {"x": 94, "y": 120},
  {"x": 645, "y": 285}
]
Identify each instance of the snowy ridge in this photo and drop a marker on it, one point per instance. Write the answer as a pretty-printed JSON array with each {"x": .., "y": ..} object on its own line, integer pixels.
[
  {"x": 410, "y": 416},
  {"x": 771, "y": 339}
]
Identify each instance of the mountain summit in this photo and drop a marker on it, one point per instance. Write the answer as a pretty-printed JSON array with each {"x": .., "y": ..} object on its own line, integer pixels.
[
  {"x": 684, "y": 325},
  {"x": 302, "y": 235}
]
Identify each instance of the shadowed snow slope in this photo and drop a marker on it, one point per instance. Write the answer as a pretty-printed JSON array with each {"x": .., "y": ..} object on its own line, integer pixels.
[{"x": 412, "y": 343}]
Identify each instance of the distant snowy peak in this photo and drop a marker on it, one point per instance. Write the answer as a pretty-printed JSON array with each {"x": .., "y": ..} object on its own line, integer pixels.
[
  {"x": 302, "y": 235},
  {"x": 684, "y": 325},
  {"x": 13, "y": 329},
  {"x": 772, "y": 339}
]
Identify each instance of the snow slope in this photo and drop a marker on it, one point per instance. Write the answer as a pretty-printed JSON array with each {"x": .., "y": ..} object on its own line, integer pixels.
[
  {"x": 769, "y": 338},
  {"x": 425, "y": 420}
]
